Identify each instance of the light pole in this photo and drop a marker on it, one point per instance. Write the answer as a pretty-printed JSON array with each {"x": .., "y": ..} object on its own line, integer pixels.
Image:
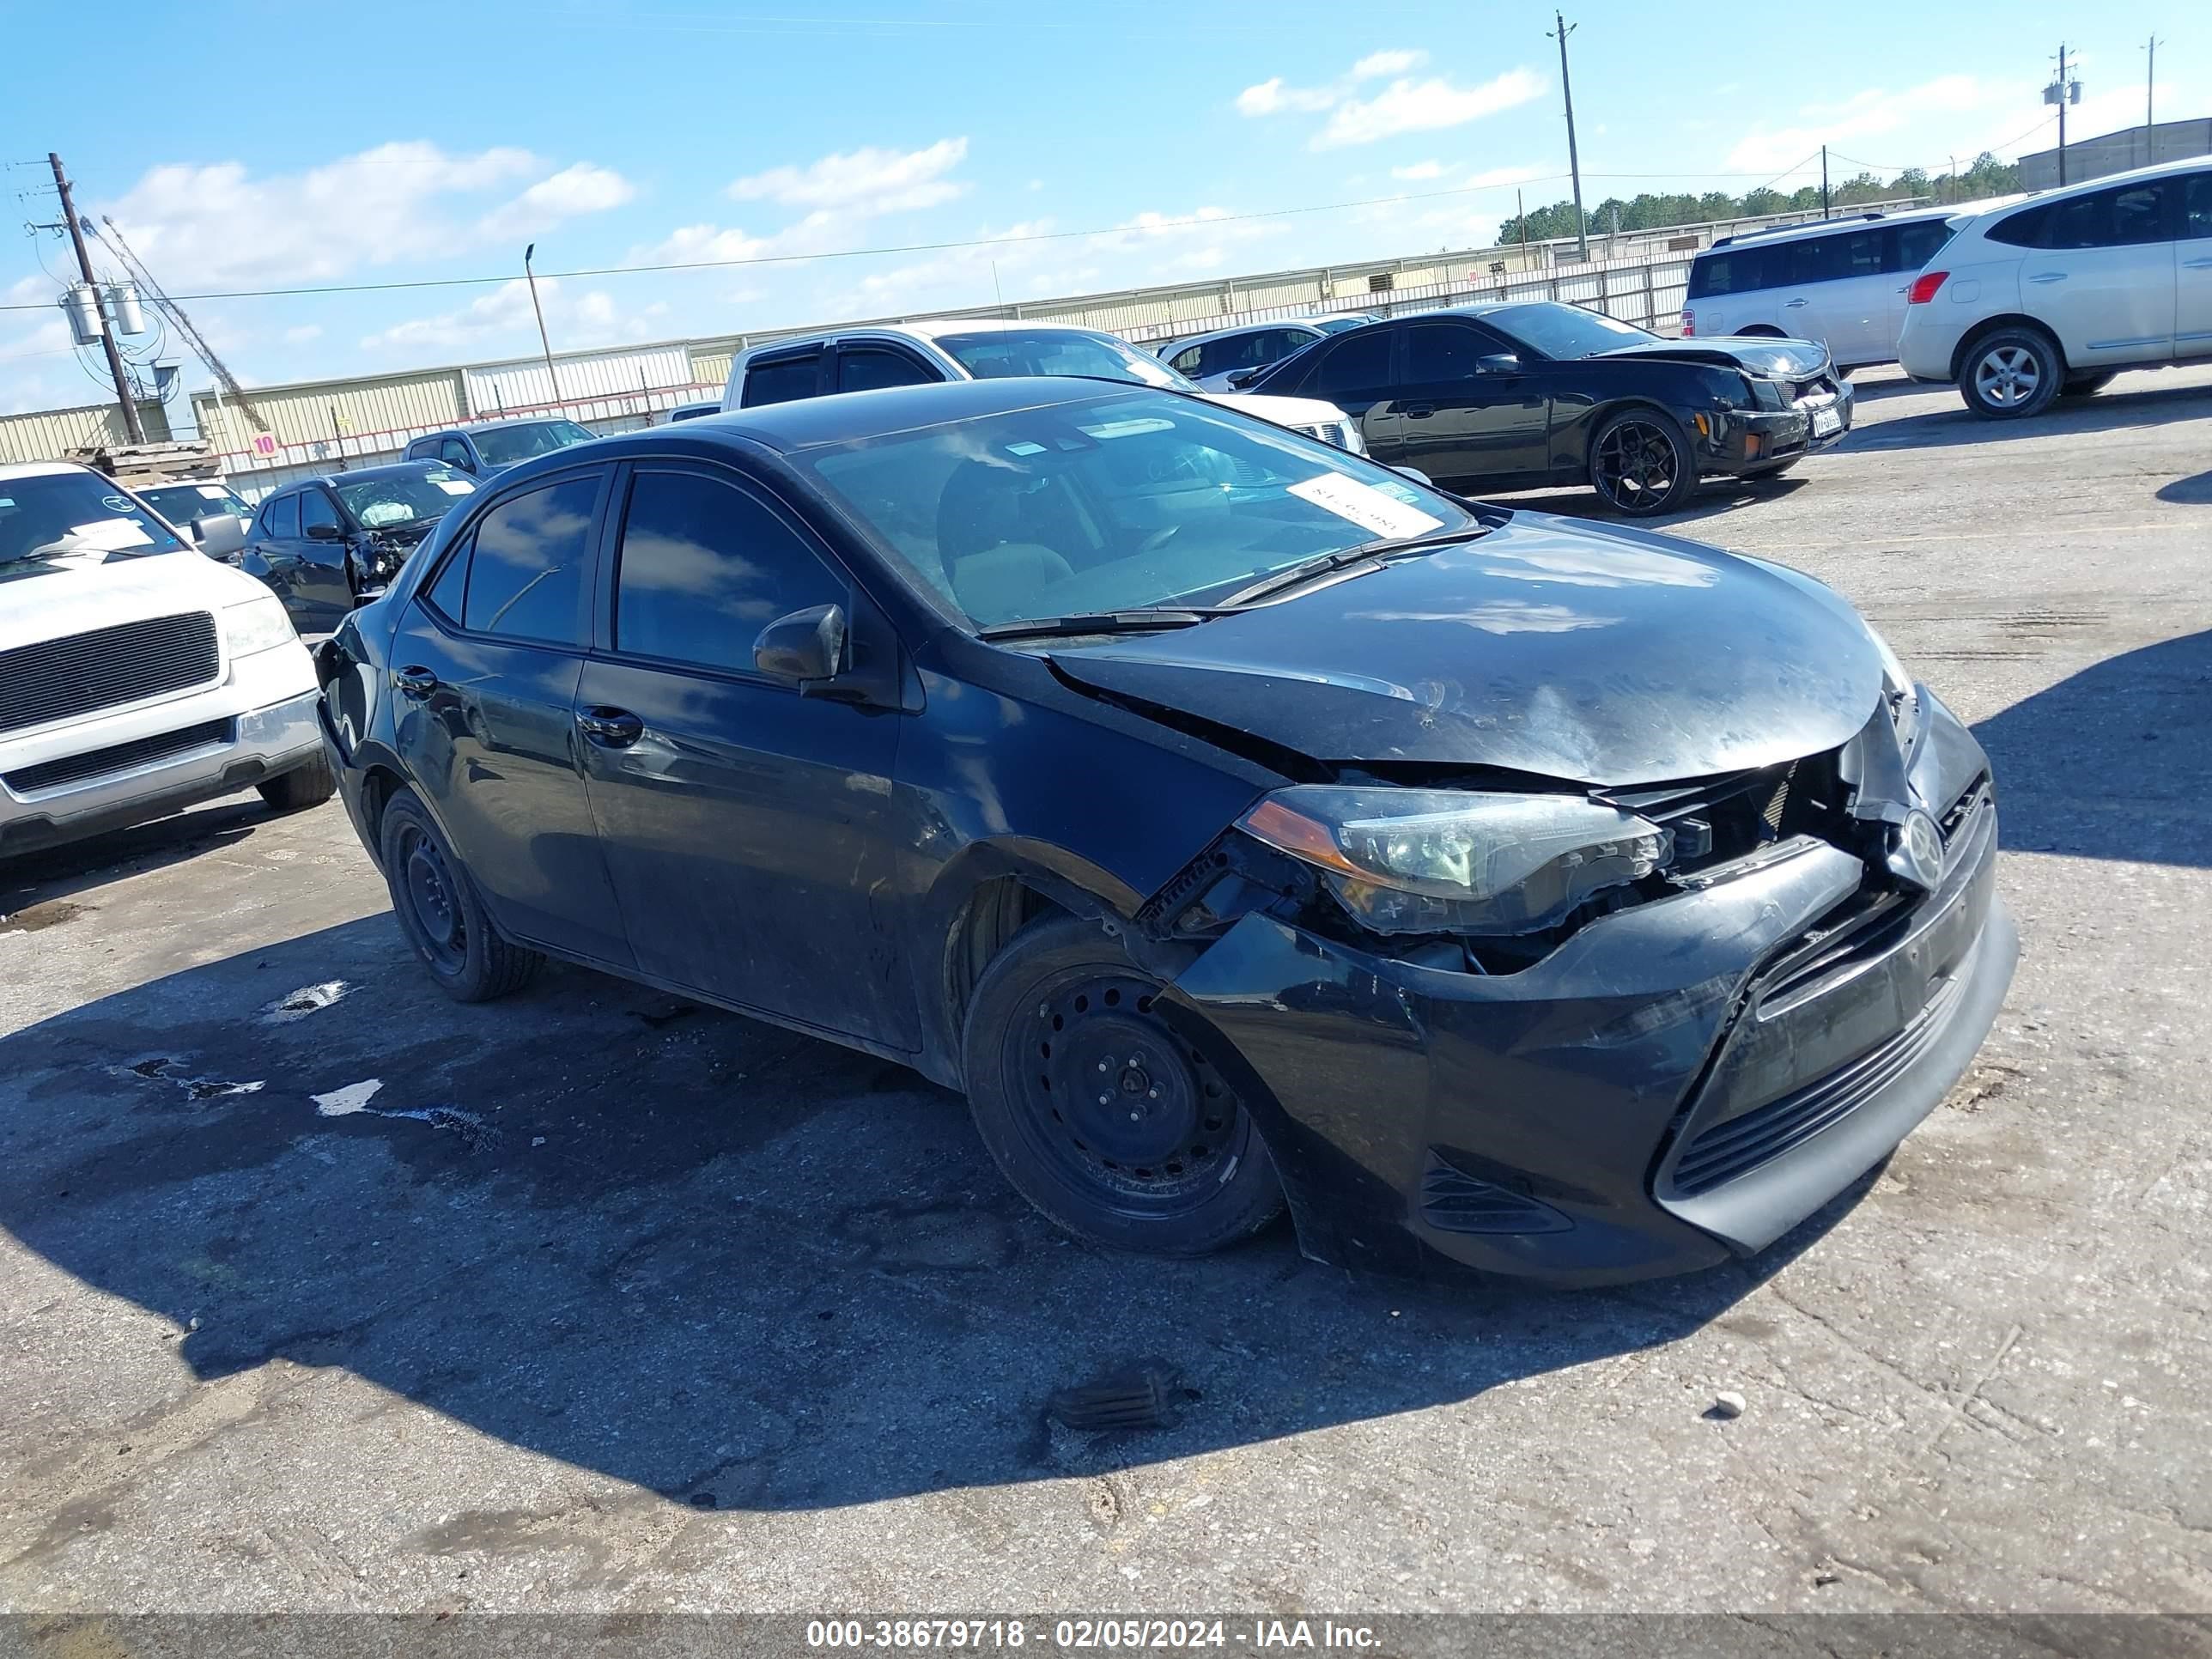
[
  {"x": 552, "y": 379},
  {"x": 1574, "y": 162}
]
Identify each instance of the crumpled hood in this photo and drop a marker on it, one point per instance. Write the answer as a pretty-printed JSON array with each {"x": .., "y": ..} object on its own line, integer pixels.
[
  {"x": 1605, "y": 657},
  {"x": 76, "y": 594},
  {"x": 1788, "y": 359}
]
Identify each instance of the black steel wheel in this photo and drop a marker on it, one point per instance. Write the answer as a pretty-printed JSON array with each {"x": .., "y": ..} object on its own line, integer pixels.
[
  {"x": 438, "y": 909},
  {"x": 1098, "y": 1111},
  {"x": 1641, "y": 463}
]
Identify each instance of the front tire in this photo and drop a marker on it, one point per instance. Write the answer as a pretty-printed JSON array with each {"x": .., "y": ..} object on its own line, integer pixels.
[
  {"x": 2011, "y": 373},
  {"x": 1098, "y": 1112},
  {"x": 439, "y": 912},
  {"x": 301, "y": 787},
  {"x": 1641, "y": 463}
]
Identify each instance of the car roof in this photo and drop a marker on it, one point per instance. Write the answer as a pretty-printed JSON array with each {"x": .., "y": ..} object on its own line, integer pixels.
[
  {"x": 1248, "y": 328},
  {"x": 809, "y": 422},
  {"x": 43, "y": 469},
  {"x": 2067, "y": 192},
  {"x": 355, "y": 475},
  {"x": 1841, "y": 222},
  {"x": 928, "y": 329},
  {"x": 503, "y": 421}
]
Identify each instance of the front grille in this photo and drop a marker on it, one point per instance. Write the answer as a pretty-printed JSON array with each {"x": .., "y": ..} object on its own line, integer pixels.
[
  {"x": 1738, "y": 1144},
  {"x": 1818, "y": 392},
  {"x": 83, "y": 673},
  {"x": 1724, "y": 818},
  {"x": 1330, "y": 432},
  {"x": 115, "y": 758}
]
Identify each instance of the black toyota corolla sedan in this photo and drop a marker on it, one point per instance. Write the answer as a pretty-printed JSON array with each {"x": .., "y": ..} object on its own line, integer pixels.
[
  {"x": 1529, "y": 393},
  {"x": 1235, "y": 822}
]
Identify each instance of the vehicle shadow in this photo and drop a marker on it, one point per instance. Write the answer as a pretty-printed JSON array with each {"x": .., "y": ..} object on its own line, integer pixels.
[
  {"x": 1714, "y": 497},
  {"x": 2103, "y": 412},
  {"x": 2114, "y": 762},
  {"x": 2193, "y": 491},
  {"x": 32, "y": 880},
  {"x": 732, "y": 1266}
]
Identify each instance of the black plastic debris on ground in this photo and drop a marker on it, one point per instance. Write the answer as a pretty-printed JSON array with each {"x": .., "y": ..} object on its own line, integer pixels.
[{"x": 1146, "y": 1395}]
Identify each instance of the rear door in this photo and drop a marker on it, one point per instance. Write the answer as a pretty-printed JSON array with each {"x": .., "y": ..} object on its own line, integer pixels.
[
  {"x": 2192, "y": 265},
  {"x": 745, "y": 826},
  {"x": 779, "y": 377},
  {"x": 273, "y": 553},
  {"x": 1466, "y": 426},
  {"x": 2102, "y": 276},
  {"x": 485, "y": 666},
  {"x": 1840, "y": 293}
]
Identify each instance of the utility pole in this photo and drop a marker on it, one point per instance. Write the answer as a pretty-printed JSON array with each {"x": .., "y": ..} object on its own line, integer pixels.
[
  {"x": 2150, "y": 92},
  {"x": 124, "y": 394},
  {"x": 1824, "y": 181},
  {"x": 1574, "y": 162},
  {"x": 2061, "y": 92},
  {"x": 552, "y": 379}
]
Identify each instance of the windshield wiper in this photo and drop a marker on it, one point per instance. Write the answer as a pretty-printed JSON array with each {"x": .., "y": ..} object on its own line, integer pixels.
[
  {"x": 1149, "y": 619},
  {"x": 1305, "y": 570}
]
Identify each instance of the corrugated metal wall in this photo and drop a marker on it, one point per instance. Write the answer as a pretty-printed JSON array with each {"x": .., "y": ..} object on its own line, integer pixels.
[
  {"x": 521, "y": 386},
  {"x": 47, "y": 434},
  {"x": 326, "y": 412}
]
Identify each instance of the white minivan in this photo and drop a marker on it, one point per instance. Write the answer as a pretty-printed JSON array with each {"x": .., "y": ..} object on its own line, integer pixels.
[
  {"x": 1841, "y": 282},
  {"x": 2058, "y": 293},
  {"x": 136, "y": 677}
]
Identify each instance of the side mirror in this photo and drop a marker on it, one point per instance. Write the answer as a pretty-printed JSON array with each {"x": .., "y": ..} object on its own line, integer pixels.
[
  {"x": 1242, "y": 378},
  {"x": 1497, "y": 362},
  {"x": 807, "y": 646},
  {"x": 1416, "y": 475},
  {"x": 325, "y": 533},
  {"x": 218, "y": 535}
]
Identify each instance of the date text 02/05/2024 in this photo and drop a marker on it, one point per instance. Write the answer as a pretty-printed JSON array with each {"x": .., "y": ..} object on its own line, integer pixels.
[{"x": 1075, "y": 1635}]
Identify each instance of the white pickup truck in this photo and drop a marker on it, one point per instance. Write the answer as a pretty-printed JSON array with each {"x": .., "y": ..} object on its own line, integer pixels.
[{"x": 136, "y": 677}]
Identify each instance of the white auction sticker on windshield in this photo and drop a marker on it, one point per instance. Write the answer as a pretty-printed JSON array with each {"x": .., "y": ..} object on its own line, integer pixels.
[
  {"x": 1364, "y": 506},
  {"x": 453, "y": 486},
  {"x": 212, "y": 492}
]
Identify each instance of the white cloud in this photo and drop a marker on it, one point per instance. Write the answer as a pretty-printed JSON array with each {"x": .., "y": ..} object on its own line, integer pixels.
[
  {"x": 575, "y": 191},
  {"x": 1875, "y": 113},
  {"x": 1420, "y": 170},
  {"x": 503, "y": 318},
  {"x": 302, "y": 334},
  {"x": 1274, "y": 95},
  {"x": 863, "y": 182},
  {"x": 1408, "y": 105},
  {"x": 221, "y": 225}
]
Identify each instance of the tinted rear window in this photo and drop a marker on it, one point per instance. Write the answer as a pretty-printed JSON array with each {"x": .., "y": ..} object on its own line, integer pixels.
[
  {"x": 782, "y": 380},
  {"x": 526, "y": 573},
  {"x": 1737, "y": 270},
  {"x": 1359, "y": 363}
]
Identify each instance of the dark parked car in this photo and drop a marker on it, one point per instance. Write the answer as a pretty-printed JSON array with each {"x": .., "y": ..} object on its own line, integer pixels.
[
  {"x": 1529, "y": 393},
  {"x": 491, "y": 447},
  {"x": 326, "y": 544},
  {"x": 1230, "y": 819}
]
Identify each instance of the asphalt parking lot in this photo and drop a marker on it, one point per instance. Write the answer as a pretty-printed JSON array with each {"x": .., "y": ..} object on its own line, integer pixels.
[{"x": 603, "y": 1302}]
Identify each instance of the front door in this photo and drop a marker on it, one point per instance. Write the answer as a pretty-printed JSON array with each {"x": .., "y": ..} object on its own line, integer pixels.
[
  {"x": 2103, "y": 277},
  {"x": 2192, "y": 267},
  {"x": 485, "y": 666},
  {"x": 321, "y": 589},
  {"x": 745, "y": 826},
  {"x": 1354, "y": 372},
  {"x": 1470, "y": 421}
]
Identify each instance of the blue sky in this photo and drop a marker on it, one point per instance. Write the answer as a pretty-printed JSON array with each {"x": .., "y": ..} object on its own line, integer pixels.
[{"x": 1101, "y": 145}]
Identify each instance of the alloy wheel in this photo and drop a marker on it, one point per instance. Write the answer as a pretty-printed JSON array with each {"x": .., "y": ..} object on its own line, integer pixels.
[
  {"x": 2007, "y": 377},
  {"x": 1637, "y": 465}
]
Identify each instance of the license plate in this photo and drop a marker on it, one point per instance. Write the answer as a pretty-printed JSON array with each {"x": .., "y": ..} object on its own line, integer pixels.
[{"x": 1827, "y": 422}]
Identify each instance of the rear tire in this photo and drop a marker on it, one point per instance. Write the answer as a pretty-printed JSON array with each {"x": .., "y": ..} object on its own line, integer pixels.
[
  {"x": 439, "y": 912},
  {"x": 2083, "y": 385},
  {"x": 2011, "y": 373},
  {"x": 1640, "y": 462},
  {"x": 301, "y": 787},
  {"x": 1098, "y": 1111}
]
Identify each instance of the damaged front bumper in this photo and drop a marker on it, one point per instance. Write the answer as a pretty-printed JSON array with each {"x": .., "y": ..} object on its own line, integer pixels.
[{"x": 1679, "y": 1082}]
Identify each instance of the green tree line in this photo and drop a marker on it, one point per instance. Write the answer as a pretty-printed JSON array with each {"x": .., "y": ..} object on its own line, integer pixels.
[{"x": 1987, "y": 177}]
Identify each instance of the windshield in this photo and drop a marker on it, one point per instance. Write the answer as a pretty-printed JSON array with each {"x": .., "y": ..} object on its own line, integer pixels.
[
  {"x": 402, "y": 497},
  {"x": 504, "y": 445},
  {"x": 77, "y": 517},
  {"x": 1121, "y": 502},
  {"x": 1338, "y": 324},
  {"x": 1564, "y": 331},
  {"x": 182, "y": 503},
  {"x": 1054, "y": 351}
]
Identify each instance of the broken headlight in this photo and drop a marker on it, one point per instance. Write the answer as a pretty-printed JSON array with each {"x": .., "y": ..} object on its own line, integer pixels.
[
  {"x": 1446, "y": 860},
  {"x": 1904, "y": 696}
]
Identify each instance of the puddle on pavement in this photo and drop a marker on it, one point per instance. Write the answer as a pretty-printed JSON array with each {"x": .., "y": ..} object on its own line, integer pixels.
[
  {"x": 476, "y": 1134},
  {"x": 308, "y": 999},
  {"x": 37, "y": 918}
]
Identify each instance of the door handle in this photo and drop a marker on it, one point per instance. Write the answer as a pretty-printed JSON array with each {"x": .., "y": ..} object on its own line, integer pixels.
[
  {"x": 2196, "y": 264},
  {"x": 611, "y": 728},
  {"x": 2048, "y": 276},
  {"x": 1418, "y": 412},
  {"x": 1791, "y": 305},
  {"x": 415, "y": 683}
]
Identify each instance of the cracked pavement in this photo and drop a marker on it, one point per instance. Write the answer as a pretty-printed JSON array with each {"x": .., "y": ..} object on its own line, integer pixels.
[{"x": 701, "y": 1314}]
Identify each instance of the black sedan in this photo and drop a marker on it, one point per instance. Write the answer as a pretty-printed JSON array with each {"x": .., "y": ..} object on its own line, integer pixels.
[
  {"x": 1531, "y": 393},
  {"x": 1234, "y": 821},
  {"x": 324, "y": 546}
]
